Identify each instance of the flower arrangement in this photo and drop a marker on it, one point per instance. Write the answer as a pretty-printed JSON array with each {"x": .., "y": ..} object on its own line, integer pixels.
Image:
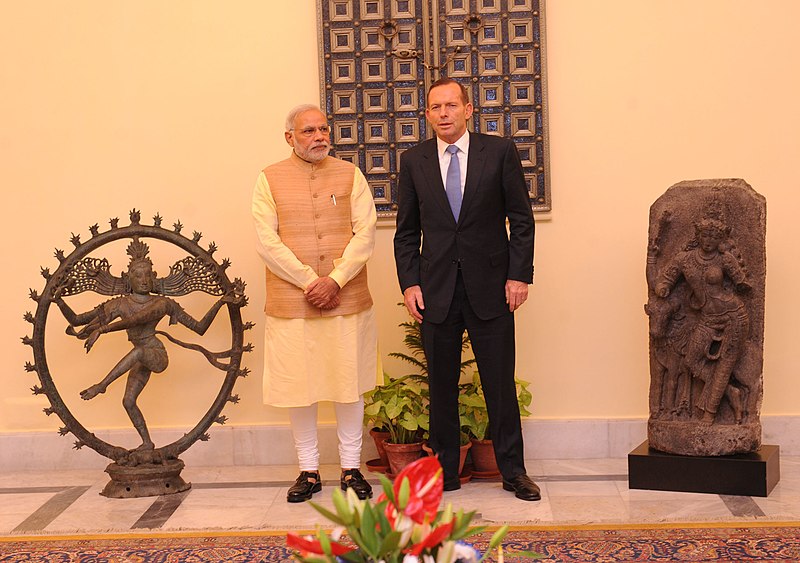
[{"x": 403, "y": 526}]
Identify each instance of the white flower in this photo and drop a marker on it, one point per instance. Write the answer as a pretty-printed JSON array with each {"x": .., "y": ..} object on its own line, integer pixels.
[
  {"x": 445, "y": 553},
  {"x": 405, "y": 526},
  {"x": 465, "y": 553}
]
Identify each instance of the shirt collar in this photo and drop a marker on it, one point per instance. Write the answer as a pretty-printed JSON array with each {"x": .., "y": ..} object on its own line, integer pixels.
[
  {"x": 462, "y": 143},
  {"x": 306, "y": 165}
]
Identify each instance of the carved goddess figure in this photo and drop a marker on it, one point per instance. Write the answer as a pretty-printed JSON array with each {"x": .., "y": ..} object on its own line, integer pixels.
[
  {"x": 715, "y": 278},
  {"x": 138, "y": 313}
]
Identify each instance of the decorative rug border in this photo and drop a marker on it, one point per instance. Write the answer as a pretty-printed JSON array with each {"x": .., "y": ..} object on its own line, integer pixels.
[{"x": 514, "y": 528}]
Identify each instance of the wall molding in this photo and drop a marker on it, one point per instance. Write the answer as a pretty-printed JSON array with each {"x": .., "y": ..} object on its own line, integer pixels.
[{"x": 273, "y": 445}]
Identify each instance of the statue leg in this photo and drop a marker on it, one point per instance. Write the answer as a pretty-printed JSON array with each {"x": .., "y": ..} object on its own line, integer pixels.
[
  {"x": 126, "y": 363},
  {"x": 735, "y": 397},
  {"x": 137, "y": 379},
  {"x": 717, "y": 387},
  {"x": 683, "y": 393}
]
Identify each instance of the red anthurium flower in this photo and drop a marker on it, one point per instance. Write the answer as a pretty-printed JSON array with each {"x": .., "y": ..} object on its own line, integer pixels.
[
  {"x": 425, "y": 482},
  {"x": 313, "y": 546},
  {"x": 436, "y": 537}
]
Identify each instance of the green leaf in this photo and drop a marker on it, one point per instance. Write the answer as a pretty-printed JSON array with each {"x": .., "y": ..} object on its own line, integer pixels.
[
  {"x": 355, "y": 535},
  {"x": 473, "y": 401},
  {"x": 368, "y": 532},
  {"x": 388, "y": 489},
  {"x": 327, "y": 514},
  {"x": 390, "y": 542},
  {"x": 461, "y": 525},
  {"x": 352, "y": 556},
  {"x": 404, "y": 494},
  {"x": 497, "y": 538},
  {"x": 324, "y": 542},
  {"x": 342, "y": 508}
]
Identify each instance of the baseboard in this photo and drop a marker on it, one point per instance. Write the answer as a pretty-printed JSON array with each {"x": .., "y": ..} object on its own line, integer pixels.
[{"x": 273, "y": 445}]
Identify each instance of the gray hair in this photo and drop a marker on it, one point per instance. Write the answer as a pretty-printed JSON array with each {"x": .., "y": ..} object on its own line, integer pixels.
[{"x": 297, "y": 110}]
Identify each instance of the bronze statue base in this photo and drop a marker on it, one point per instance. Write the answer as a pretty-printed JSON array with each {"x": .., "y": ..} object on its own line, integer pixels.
[
  {"x": 147, "y": 480},
  {"x": 690, "y": 437}
]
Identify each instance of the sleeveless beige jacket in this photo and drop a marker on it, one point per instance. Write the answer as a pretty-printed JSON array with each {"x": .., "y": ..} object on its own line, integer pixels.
[{"x": 313, "y": 207}]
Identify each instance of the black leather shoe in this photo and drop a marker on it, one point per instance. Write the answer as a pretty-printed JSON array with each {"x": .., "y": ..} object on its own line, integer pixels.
[
  {"x": 452, "y": 484},
  {"x": 353, "y": 479},
  {"x": 524, "y": 488},
  {"x": 306, "y": 485}
]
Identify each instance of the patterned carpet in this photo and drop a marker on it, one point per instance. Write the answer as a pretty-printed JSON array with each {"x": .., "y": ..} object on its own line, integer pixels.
[{"x": 772, "y": 542}]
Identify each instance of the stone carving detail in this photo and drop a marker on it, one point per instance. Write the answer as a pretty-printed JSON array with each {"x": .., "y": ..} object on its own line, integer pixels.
[{"x": 706, "y": 269}]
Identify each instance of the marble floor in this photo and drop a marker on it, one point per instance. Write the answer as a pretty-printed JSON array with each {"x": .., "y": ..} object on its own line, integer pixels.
[{"x": 574, "y": 492}]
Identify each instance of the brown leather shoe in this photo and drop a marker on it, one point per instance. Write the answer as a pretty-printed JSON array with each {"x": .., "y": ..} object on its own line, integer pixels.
[
  {"x": 523, "y": 486},
  {"x": 306, "y": 485}
]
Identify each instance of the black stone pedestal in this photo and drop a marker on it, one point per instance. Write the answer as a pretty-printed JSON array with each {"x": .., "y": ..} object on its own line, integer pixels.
[{"x": 754, "y": 474}]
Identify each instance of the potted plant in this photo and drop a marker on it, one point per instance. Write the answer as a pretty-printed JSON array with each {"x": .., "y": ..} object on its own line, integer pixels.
[
  {"x": 474, "y": 418},
  {"x": 399, "y": 407}
]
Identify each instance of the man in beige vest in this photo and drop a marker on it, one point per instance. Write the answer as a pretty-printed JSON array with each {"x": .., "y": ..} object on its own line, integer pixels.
[{"x": 315, "y": 219}]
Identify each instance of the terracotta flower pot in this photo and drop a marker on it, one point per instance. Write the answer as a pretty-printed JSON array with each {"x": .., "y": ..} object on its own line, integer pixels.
[
  {"x": 378, "y": 436},
  {"x": 401, "y": 455},
  {"x": 462, "y": 457},
  {"x": 483, "y": 461}
]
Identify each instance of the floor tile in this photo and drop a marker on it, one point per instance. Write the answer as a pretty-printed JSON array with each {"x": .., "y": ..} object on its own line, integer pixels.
[{"x": 590, "y": 491}]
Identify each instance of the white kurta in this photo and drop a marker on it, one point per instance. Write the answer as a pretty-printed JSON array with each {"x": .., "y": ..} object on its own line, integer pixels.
[{"x": 326, "y": 358}]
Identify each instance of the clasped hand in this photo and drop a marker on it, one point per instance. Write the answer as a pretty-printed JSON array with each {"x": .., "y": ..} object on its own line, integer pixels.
[{"x": 323, "y": 293}]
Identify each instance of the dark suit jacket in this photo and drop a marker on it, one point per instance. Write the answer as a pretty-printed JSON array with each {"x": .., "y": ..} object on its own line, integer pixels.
[{"x": 479, "y": 242}]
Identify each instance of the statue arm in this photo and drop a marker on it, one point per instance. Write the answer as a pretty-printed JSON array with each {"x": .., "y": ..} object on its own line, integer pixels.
[
  {"x": 179, "y": 315},
  {"x": 667, "y": 278},
  {"x": 735, "y": 271},
  {"x": 78, "y": 319}
]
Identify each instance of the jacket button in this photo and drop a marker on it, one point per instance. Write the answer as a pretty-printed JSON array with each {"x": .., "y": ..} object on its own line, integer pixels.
[
  {"x": 315, "y": 195},
  {"x": 322, "y": 257},
  {"x": 319, "y": 235}
]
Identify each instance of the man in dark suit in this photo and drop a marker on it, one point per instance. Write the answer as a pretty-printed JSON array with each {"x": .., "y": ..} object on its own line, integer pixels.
[{"x": 455, "y": 193}]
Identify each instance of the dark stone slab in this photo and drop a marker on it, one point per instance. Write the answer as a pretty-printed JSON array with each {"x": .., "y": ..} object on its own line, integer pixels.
[{"x": 752, "y": 474}]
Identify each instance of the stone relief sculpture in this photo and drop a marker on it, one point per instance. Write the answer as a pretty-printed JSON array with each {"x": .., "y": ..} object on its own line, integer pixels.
[{"x": 706, "y": 277}]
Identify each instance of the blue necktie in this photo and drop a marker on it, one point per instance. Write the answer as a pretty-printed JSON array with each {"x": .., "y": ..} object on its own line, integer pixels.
[{"x": 452, "y": 184}]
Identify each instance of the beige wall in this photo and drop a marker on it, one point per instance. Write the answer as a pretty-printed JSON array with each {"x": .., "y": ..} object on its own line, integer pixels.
[{"x": 174, "y": 107}]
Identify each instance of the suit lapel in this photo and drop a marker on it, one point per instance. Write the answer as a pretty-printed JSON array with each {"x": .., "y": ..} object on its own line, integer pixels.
[
  {"x": 433, "y": 173},
  {"x": 475, "y": 159}
]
